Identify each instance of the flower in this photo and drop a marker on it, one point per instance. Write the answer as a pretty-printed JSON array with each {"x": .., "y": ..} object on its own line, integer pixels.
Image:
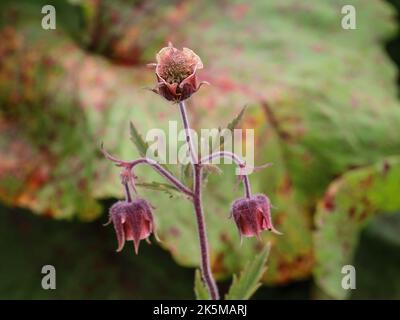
[
  {"x": 132, "y": 221},
  {"x": 176, "y": 73},
  {"x": 252, "y": 215}
]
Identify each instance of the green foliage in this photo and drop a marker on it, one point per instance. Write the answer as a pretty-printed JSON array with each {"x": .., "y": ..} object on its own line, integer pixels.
[
  {"x": 236, "y": 121},
  {"x": 200, "y": 289},
  {"x": 318, "y": 108},
  {"x": 170, "y": 190},
  {"x": 377, "y": 259},
  {"x": 138, "y": 140},
  {"x": 349, "y": 204},
  {"x": 244, "y": 286},
  {"x": 231, "y": 126}
]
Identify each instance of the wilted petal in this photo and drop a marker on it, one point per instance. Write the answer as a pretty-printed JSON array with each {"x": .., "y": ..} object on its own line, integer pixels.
[
  {"x": 193, "y": 58},
  {"x": 132, "y": 221},
  {"x": 117, "y": 218},
  {"x": 176, "y": 73},
  {"x": 252, "y": 215}
]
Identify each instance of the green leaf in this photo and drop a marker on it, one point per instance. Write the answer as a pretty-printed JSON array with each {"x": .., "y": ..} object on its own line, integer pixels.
[
  {"x": 200, "y": 289},
  {"x": 186, "y": 174},
  {"x": 235, "y": 122},
  {"x": 141, "y": 145},
  {"x": 348, "y": 206},
  {"x": 244, "y": 286},
  {"x": 170, "y": 190},
  {"x": 309, "y": 119},
  {"x": 231, "y": 126},
  {"x": 211, "y": 168},
  {"x": 219, "y": 143},
  {"x": 138, "y": 140}
]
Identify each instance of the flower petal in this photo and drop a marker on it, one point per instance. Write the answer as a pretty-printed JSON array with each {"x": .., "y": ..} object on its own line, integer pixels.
[
  {"x": 119, "y": 230},
  {"x": 197, "y": 63}
]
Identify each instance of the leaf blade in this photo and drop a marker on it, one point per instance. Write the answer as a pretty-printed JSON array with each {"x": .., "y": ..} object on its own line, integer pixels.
[
  {"x": 138, "y": 140},
  {"x": 200, "y": 289},
  {"x": 244, "y": 286},
  {"x": 235, "y": 122},
  {"x": 348, "y": 205},
  {"x": 159, "y": 186}
]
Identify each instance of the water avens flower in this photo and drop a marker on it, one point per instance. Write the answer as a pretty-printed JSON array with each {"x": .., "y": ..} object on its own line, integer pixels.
[
  {"x": 176, "y": 73},
  {"x": 252, "y": 215},
  {"x": 132, "y": 221}
]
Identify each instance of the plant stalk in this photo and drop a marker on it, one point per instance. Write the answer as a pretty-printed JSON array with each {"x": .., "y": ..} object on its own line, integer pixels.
[
  {"x": 237, "y": 160},
  {"x": 201, "y": 226},
  {"x": 197, "y": 202}
]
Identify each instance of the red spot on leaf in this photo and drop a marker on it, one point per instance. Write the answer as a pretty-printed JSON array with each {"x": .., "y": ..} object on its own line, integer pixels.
[
  {"x": 352, "y": 212},
  {"x": 240, "y": 10},
  {"x": 285, "y": 187},
  {"x": 329, "y": 202},
  {"x": 218, "y": 266},
  {"x": 367, "y": 182},
  {"x": 386, "y": 167},
  {"x": 175, "y": 232}
]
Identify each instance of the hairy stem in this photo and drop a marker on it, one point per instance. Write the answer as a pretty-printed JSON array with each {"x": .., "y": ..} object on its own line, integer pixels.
[
  {"x": 201, "y": 226},
  {"x": 237, "y": 160},
  {"x": 197, "y": 202},
  {"x": 189, "y": 140},
  {"x": 166, "y": 174},
  {"x": 162, "y": 171},
  {"x": 128, "y": 197}
]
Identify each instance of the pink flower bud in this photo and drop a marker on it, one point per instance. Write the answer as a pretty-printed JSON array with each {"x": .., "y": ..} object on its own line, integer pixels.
[
  {"x": 132, "y": 221},
  {"x": 252, "y": 215},
  {"x": 176, "y": 73}
]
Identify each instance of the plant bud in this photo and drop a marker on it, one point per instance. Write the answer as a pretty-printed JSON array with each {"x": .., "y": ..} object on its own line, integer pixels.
[
  {"x": 252, "y": 215},
  {"x": 132, "y": 221}
]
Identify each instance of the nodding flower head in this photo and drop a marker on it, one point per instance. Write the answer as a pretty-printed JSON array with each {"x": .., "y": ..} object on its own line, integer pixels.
[
  {"x": 252, "y": 215},
  {"x": 176, "y": 73},
  {"x": 132, "y": 221}
]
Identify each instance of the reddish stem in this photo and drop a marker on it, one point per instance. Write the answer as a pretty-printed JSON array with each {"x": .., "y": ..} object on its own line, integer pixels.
[
  {"x": 165, "y": 173},
  {"x": 197, "y": 202},
  {"x": 201, "y": 226},
  {"x": 237, "y": 160}
]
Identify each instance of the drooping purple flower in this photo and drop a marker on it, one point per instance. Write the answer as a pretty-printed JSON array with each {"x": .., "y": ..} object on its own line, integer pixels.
[
  {"x": 253, "y": 215},
  {"x": 132, "y": 221}
]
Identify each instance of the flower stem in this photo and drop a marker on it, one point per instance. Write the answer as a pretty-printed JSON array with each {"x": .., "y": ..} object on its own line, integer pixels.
[
  {"x": 197, "y": 202},
  {"x": 247, "y": 187},
  {"x": 128, "y": 197},
  {"x": 165, "y": 173},
  {"x": 237, "y": 160},
  {"x": 201, "y": 226},
  {"x": 189, "y": 140}
]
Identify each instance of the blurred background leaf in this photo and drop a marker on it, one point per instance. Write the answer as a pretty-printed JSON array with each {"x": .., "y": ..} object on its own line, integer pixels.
[
  {"x": 349, "y": 205},
  {"x": 322, "y": 101}
]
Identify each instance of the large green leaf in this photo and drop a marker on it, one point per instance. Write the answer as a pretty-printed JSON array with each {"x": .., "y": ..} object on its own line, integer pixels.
[
  {"x": 349, "y": 204},
  {"x": 317, "y": 105}
]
